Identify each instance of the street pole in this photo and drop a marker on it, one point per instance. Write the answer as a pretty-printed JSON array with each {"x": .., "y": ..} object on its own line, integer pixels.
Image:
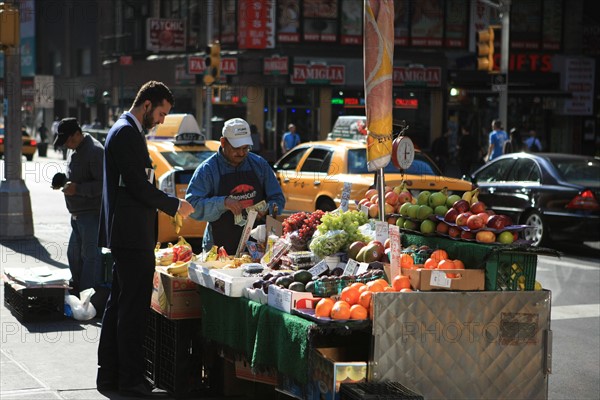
[
  {"x": 16, "y": 218},
  {"x": 208, "y": 107},
  {"x": 503, "y": 95}
]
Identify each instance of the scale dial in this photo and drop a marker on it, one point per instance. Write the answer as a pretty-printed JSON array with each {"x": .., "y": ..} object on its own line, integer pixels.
[{"x": 403, "y": 152}]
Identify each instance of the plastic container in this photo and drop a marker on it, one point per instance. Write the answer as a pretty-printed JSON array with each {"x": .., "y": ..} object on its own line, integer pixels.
[
  {"x": 500, "y": 274},
  {"x": 35, "y": 304}
]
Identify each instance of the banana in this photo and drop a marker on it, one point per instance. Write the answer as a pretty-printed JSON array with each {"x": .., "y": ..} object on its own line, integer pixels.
[
  {"x": 538, "y": 286},
  {"x": 468, "y": 195},
  {"x": 474, "y": 197},
  {"x": 177, "y": 222},
  {"x": 178, "y": 268}
]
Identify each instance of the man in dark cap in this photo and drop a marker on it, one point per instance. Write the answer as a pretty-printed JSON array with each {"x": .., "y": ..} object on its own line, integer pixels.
[{"x": 83, "y": 195}]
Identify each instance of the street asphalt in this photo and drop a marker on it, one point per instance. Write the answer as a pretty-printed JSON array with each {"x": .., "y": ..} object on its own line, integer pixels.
[{"x": 54, "y": 359}]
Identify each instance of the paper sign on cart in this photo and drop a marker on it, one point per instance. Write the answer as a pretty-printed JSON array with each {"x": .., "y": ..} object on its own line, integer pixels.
[
  {"x": 381, "y": 231},
  {"x": 364, "y": 209},
  {"x": 319, "y": 268},
  {"x": 345, "y": 196},
  {"x": 351, "y": 268},
  {"x": 439, "y": 279},
  {"x": 246, "y": 232},
  {"x": 395, "y": 247}
]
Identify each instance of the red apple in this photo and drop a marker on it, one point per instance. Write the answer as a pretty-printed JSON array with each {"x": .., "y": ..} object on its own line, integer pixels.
[
  {"x": 475, "y": 222},
  {"x": 477, "y": 207},
  {"x": 454, "y": 232},
  {"x": 485, "y": 216},
  {"x": 378, "y": 244},
  {"x": 490, "y": 212},
  {"x": 498, "y": 221},
  {"x": 442, "y": 228},
  {"x": 363, "y": 201},
  {"x": 462, "y": 218},
  {"x": 485, "y": 237},
  {"x": 392, "y": 218},
  {"x": 467, "y": 235},
  {"x": 461, "y": 206},
  {"x": 451, "y": 215},
  {"x": 388, "y": 243},
  {"x": 391, "y": 198}
]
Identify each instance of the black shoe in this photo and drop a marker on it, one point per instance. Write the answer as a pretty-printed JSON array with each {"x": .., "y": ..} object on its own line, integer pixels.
[
  {"x": 106, "y": 382},
  {"x": 142, "y": 390},
  {"x": 107, "y": 386}
]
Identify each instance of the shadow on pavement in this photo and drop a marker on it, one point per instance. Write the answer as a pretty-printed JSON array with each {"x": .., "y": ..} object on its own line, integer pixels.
[{"x": 46, "y": 253}]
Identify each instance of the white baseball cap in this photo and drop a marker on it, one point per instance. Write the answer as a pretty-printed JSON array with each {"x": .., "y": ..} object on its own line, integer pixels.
[{"x": 237, "y": 132}]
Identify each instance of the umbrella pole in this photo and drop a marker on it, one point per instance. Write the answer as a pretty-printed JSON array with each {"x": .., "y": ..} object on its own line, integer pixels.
[{"x": 381, "y": 193}]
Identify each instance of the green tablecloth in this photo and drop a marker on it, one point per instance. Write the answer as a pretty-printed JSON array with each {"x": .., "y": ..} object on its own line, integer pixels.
[{"x": 266, "y": 336}]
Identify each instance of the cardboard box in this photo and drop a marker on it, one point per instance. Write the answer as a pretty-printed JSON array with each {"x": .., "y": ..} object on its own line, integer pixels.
[
  {"x": 285, "y": 299},
  {"x": 175, "y": 298},
  {"x": 332, "y": 366},
  {"x": 244, "y": 371},
  {"x": 229, "y": 282},
  {"x": 434, "y": 279}
]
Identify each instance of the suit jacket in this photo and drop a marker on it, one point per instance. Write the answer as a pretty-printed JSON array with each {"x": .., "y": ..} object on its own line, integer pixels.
[{"x": 128, "y": 217}]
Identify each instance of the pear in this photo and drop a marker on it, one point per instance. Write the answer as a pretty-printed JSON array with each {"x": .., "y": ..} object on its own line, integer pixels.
[
  {"x": 424, "y": 212},
  {"x": 453, "y": 198},
  {"x": 423, "y": 198},
  {"x": 437, "y": 199}
]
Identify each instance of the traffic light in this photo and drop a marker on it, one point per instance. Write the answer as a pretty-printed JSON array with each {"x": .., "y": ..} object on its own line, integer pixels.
[
  {"x": 485, "y": 49},
  {"x": 213, "y": 63},
  {"x": 9, "y": 26}
]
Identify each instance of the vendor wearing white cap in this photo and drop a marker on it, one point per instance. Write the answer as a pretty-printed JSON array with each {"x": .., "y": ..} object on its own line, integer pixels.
[{"x": 230, "y": 180}]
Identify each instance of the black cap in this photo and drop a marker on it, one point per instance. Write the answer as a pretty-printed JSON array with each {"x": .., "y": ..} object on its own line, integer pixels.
[{"x": 66, "y": 128}]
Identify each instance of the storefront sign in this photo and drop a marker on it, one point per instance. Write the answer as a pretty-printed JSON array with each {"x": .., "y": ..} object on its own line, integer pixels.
[
  {"x": 579, "y": 80},
  {"x": 197, "y": 65},
  {"x": 256, "y": 19},
  {"x": 417, "y": 76},
  {"x": 164, "y": 34},
  {"x": 275, "y": 66},
  {"x": 314, "y": 74}
]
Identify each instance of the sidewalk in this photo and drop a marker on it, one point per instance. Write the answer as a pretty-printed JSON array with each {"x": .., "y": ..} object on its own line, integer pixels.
[{"x": 46, "y": 360}]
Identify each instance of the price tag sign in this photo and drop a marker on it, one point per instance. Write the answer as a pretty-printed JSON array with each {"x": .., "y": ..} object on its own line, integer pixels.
[
  {"x": 351, "y": 268},
  {"x": 345, "y": 196},
  {"x": 364, "y": 209},
  {"x": 362, "y": 267},
  {"x": 246, "y": 232},
  {"x": 319, "y": 268},
  {"x": 395, "y": 248},
  {"x": 439, "y": 279},
  {"x": 381, "y": 231}
]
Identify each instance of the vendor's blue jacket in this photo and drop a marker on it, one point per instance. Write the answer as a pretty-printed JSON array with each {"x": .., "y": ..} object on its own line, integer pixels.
[{"x": 202, "y": 191}]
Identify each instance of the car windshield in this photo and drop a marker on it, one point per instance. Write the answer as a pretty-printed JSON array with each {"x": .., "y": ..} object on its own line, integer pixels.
[
  {"x": 186, "y": 160},
  {"x": 585, "y": 172},
  {"x": 357, "y": 164}
]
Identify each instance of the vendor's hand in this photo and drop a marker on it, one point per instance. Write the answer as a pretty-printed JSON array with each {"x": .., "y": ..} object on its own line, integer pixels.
[
  {"x": 233, "y": 205},
  {"x": 70, "y": 188},
  {"x": 185, "y": 208}
]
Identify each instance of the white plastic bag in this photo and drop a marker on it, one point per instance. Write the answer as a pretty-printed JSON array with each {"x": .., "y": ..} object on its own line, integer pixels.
[{"x": 82, "y": 308}]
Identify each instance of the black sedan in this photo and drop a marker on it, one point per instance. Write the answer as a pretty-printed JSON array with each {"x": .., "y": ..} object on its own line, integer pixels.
[{"x": 556, "y": 194}]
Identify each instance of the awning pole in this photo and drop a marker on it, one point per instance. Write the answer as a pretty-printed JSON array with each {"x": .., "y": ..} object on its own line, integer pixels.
[{"x": 381, "y": 193}]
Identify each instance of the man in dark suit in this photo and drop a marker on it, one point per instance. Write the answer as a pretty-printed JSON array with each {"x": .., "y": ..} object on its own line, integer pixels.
[{"x": 128, "y": 226}]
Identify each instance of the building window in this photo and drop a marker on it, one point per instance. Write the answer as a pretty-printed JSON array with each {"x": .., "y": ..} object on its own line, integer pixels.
[{"x": 84, "y": 62}]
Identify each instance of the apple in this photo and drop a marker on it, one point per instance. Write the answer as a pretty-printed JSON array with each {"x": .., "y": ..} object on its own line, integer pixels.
[
  {"x": 375, "y": 198},
  {"x": 485, "y": 237},
  {"x": 475, "y": 222},
  {"x": 391, "y": 219},
  {"x": 451, "y": 215},
  {"x": 391, "y": 198},
  {"x": 477, "y": 207},
  {"x": 369, "y": 193},
  {"x": 467, "y": 235},
  {"x": 485, "y": 216},
  {"x": 498, "y": 221},
  {"x": 461, "y": 219},
  {"x": 379, "y": 245},
  {"x": 404, "y": 197},
  {"x": 461, "y": 206},
  {"x": 490, "y": 212},
  {"x": 506, "y": 237},
  {"x": 387, "y": 243},
  {"x": 373, "y": 210},
  {"x": 388, "y": 208},
  {"x": 442, "y": 228},
  {"x": 454, "y": 232},
  {"x": 363, "y": 201}
]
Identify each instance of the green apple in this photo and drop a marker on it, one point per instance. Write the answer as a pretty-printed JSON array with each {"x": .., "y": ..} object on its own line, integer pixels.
[
  {"x": 400, "y": 222},
  {"x": 411, "y": 225},
  {"x": 437, "y": 199},
  {"x": 506, "y": 237},
  {"x": 427, "y": 226},
  {"x": 440, "y": 210},
  {"x": 404, "y": 209},
  {"x": 453, "y": 198}
]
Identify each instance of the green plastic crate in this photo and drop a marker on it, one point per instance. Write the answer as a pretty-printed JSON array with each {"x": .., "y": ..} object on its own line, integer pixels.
[{"x": 500, "y": 275}]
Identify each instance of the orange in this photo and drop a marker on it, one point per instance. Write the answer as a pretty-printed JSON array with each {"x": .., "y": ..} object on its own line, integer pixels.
[
  {"x": 430, "y": 263},
  {"x": 340, "y": 310},
  {"x": 458, "y": 264},
  {"x": 357, "y": 285},
  {"x": 350, "y": 295},
  {"x": 389, "y": 289},
  {"x": 363, "y": 289},
  {"x": 324, "y": 306},
  {"x": 405, "y": 290},
  {"x": 358, "y": 312},
  {"x": 365, "y": 299},
  {"x": 375, "y": 286},
  {"x": 446, "y": 264},
  {"x": 383, "y": 282},
  {"x": 439, "y": 255},
  {"x": 406, "y": 261},
  {"x": 401, "y": 282}
]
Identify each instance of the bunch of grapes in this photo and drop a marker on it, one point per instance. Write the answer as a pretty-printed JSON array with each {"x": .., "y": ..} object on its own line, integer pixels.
[
  {"x": 300, "y": 227},
  {"x": 348, "y": 221}
]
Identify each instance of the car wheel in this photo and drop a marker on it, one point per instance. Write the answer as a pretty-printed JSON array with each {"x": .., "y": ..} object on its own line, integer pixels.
[
  {"x": 325, "y": 204},
  {"x": 537, "y": 233},
  {"x": 29, "y": 157}
]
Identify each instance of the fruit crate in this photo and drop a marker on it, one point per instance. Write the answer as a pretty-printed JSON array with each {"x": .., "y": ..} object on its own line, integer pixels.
[
  {"x": 151, "y": 347},
  {"x": 180, "y": 368},
  {"x": 510, "y": 271},
  {"x": 35, "y": 304},
  {"x": 377, "y": 391}
]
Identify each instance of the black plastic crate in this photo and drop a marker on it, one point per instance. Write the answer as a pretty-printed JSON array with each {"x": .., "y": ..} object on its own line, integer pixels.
[
  {"x": 35, "y": 304},
  {"x": 151, "y": 347},
  {"x": 377, "y": 391}
]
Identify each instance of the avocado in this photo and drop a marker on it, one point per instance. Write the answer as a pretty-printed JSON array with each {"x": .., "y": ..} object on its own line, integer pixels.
[
  {"x": 302, "y": 276},
  {"x": 297, "y": 287},
  {"x": 284, "y": 281},
  {"x": 310, "y": 287}
]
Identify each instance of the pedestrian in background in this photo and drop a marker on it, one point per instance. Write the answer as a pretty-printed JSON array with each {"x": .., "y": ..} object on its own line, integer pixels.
[
  {"x": 229, "y": 181},
  {"x": 497, "y": 137},
  {"x": 468, "y": 151},
  {"x": 256, "y": 140},
  {"x": 290, "y": 139},
  {"x": 54, "y": 129},
  {"x": 515, "y": 142},
  {"x": 83, "y": 194},
  {"x": 533, "y": 143},
  {"x": 439, "y": 150},
  {"x": 128, "y": 226},
  {"x": 43, "y": 132}
]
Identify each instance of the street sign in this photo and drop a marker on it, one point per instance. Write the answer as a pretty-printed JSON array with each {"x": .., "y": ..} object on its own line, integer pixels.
[{"x": 43, "y": 91}]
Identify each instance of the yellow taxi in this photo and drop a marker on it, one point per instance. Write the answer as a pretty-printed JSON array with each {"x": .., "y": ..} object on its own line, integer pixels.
[
  {"x": 29, "y": 144},
  {"x": 312, "y": 175},
  {"x": 176, "y": 148}
]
